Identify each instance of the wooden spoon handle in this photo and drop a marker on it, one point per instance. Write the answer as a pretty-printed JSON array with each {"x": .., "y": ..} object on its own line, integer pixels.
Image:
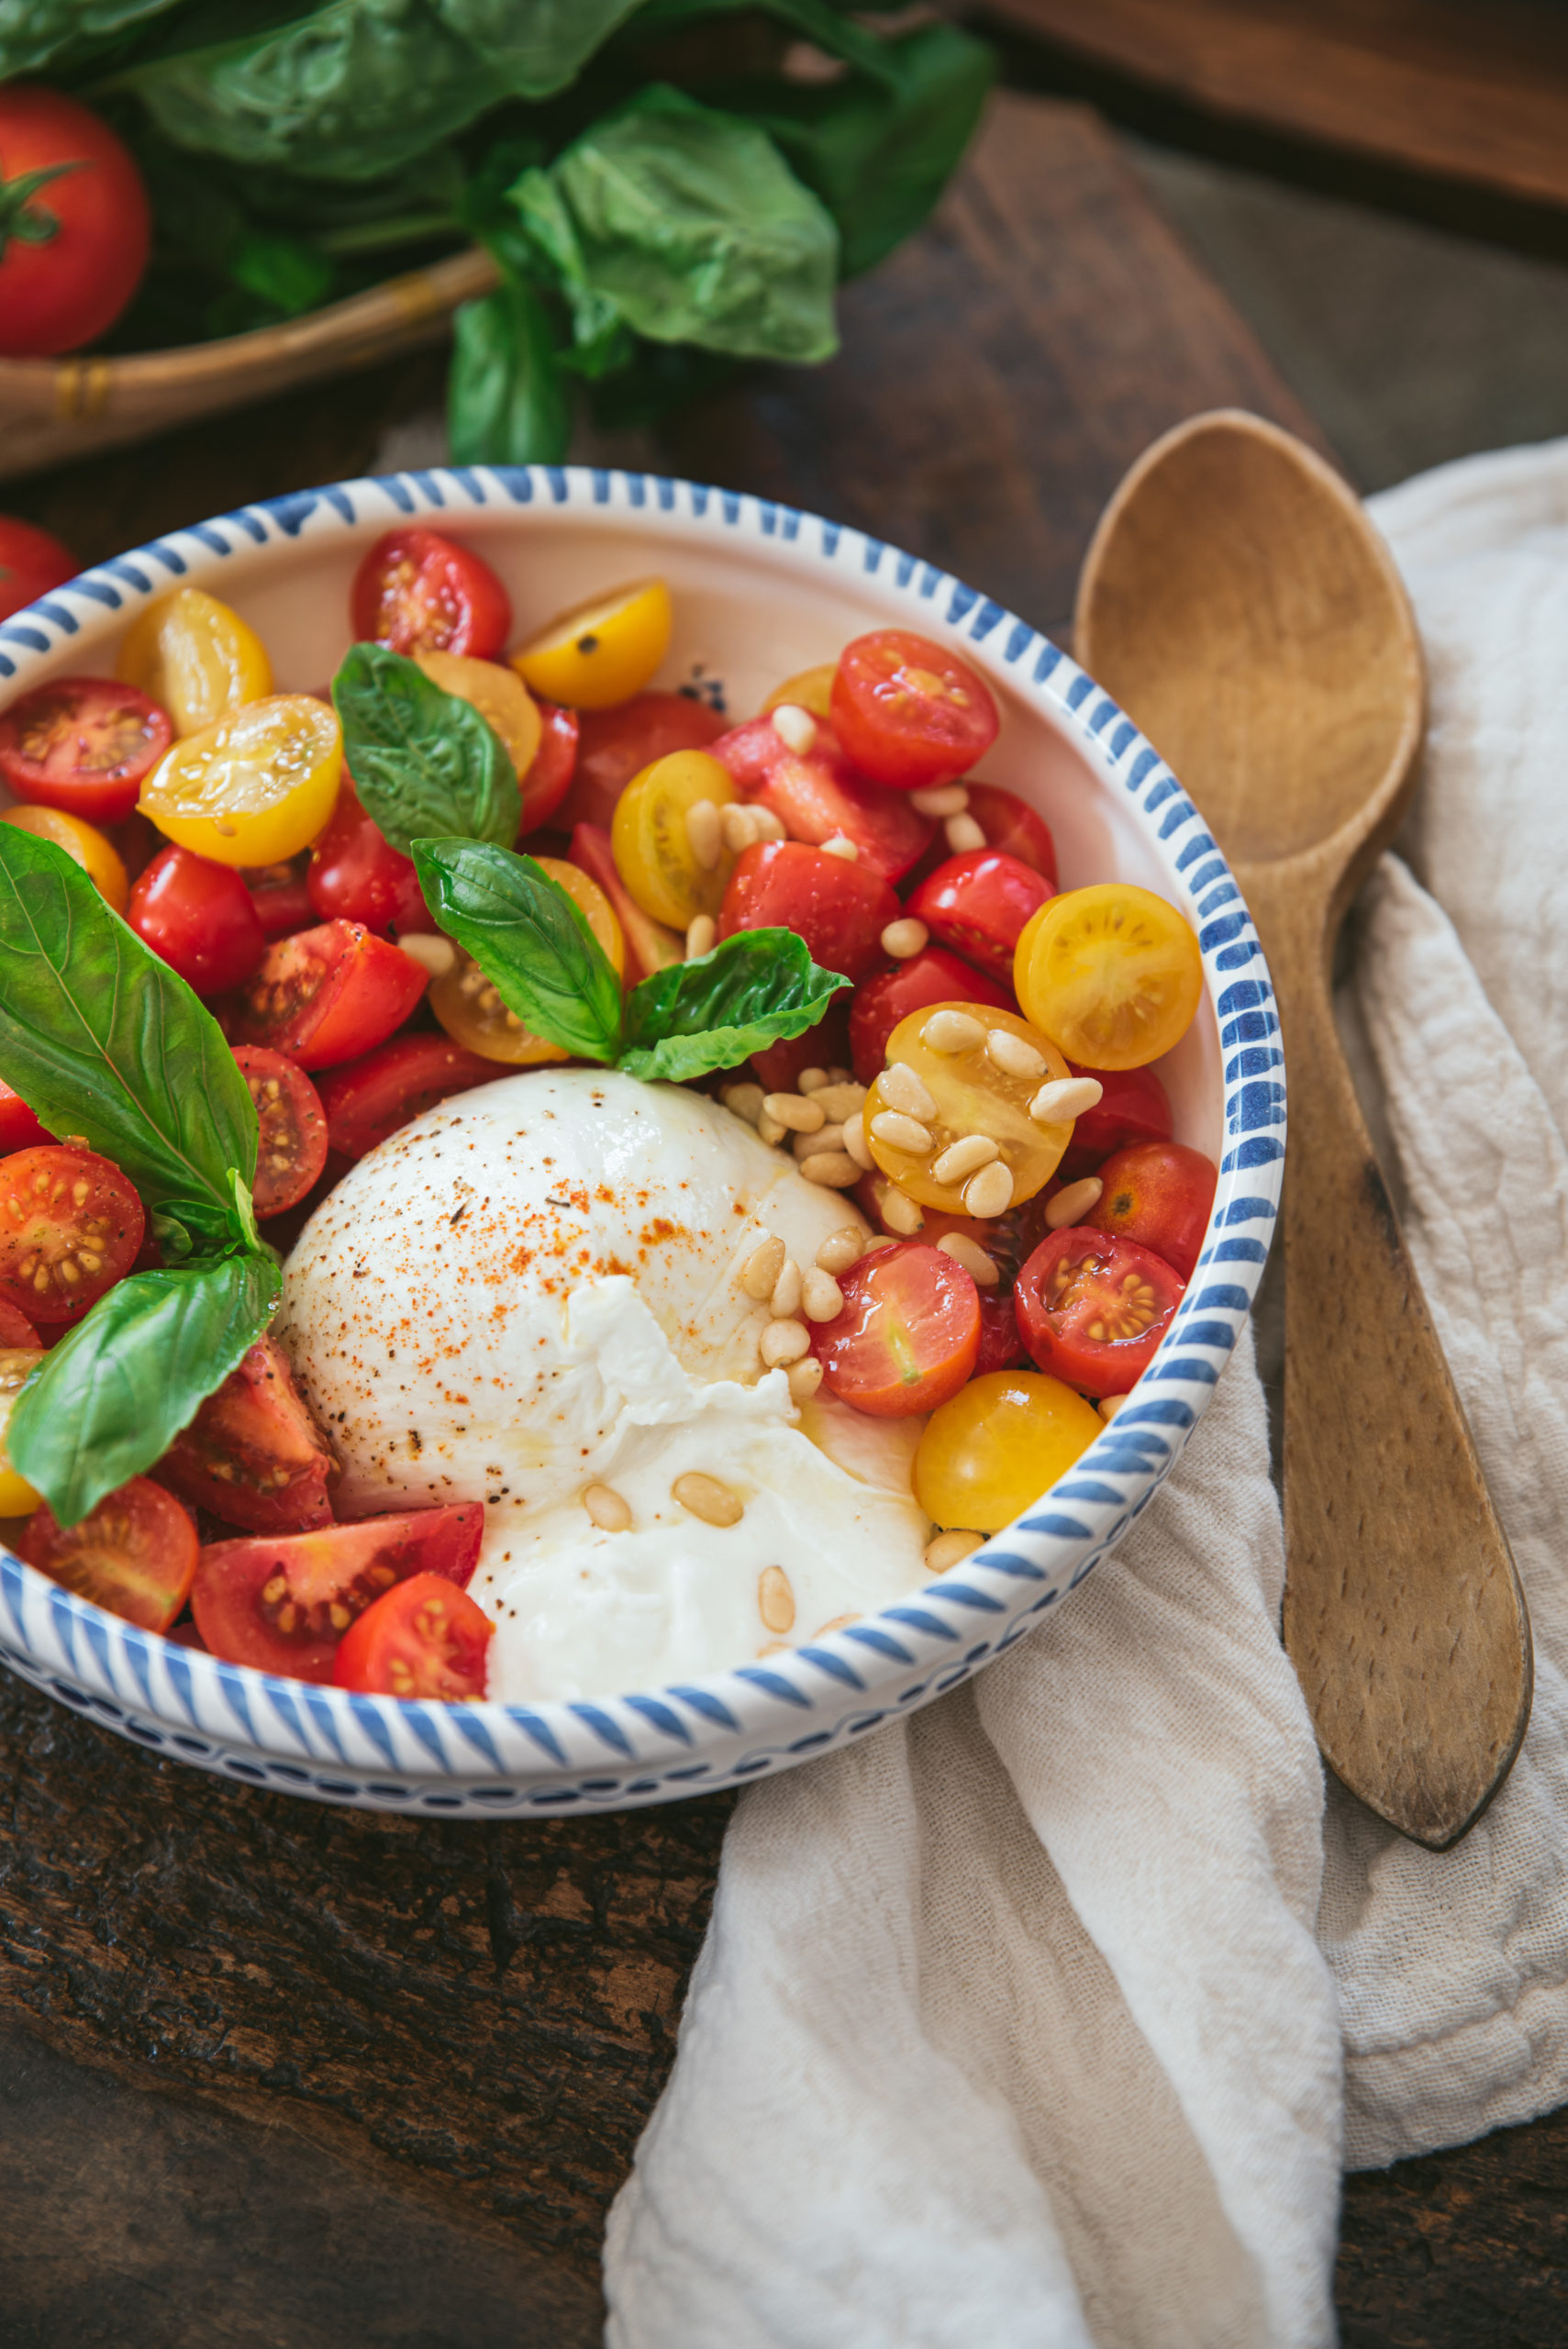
[{"x": 1403, "y": 1611}]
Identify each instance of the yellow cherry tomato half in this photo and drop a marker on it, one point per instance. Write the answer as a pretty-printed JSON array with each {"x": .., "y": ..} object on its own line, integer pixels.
[
  {"x": 812, "y": 690},
  {"x": 18, "y": 1497},
  {"x": 499, "y": 695},
  {"x": 1001, "y": 1441},
  {"x": 470, "y": 1007},
  {"x": 953, "y": 1085},
  {"x": 254, "y": 788},
  {"x": 661, "y": 851},
  {"x": 601, "y": 652},
  {"x": 195, "y": 656},
  {"x": 97, "y": 856},
  {"x": 1111, "y": 974}
]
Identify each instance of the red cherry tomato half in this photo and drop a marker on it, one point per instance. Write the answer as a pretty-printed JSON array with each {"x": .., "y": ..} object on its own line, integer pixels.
[
  {"x": 931, "y": 976},
  {"x": 70, "y": 1225},
  {"x": 979, "y": 904},
  {"x": 370, "y": 1099},
  {"x": 1133, "y": 1107},
  {"x": 282, "y": 899},
  {"x": 548, "y": 778},
  {"x": 82, "y": 744},
  {"x": 17, "y": 1332},
  {"x": 76, "y": 245},
  {"x": 291, "y": 1148},
  {"x": 199, "y": 916},
  {"x": 253, "y": 1455},
  {"x": 840, "y": 909},
  {"x": 1161, "y": 1194},
  {"x": 19, "y": 1128},
  {"x": 135, "y": 1555},
  {"x": 425, "y": 1638},
  {"x": 283, "y": 1605},
  {"x": 1093, "y": 1307},
  {"x": 356, "y": 874},
  {"x": 31, "y": 562},
  {"x": 327, "y": 995},
  {"x": 1011, "y": 824},
  {"x": 908, "y": 711},
  {"x": 418, "y": 592},
  {"x": 908, "y": 1335},
  {"x": 615, "y": 744},
  {"x": 817, "y": 796}
]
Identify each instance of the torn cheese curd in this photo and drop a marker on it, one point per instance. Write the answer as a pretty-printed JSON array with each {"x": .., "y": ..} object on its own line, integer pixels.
[{"x": 532, "y": 1297}]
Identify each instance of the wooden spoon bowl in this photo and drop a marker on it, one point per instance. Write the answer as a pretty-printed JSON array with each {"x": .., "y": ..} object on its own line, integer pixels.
[{"x": 1238, "y": 605}]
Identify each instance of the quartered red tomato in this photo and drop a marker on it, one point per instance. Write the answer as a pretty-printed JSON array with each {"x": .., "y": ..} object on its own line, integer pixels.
[
  {"x": 931, "y": 976},
  {"x": 908, "y": 1335},
  {"x": 253, "y": 1455},
  {"x": 908, "y": 711},
  {"x": 418, "y": 591},
  {"x": 616, "y": 744},
  {"x": 356, "y": 874},
  {"x": 291, "y": 1148},
  {"x": 281, "y": 896},
  {"x": 549, "y": 777},
  {"x": 1161, "y": 1194},
  {"x": 650, "y": 945},
  {"x": 135, "y": 1555},
  {"x": 425, "y": 1638},
  {"x": 199, "y": 916},
  {"x": 327, "y": 995},
  {"x": 283, "y": 1605},
  {"x": 840, "y": 909},
  {"x": 19, "y": 1128},
  {"x": 1001, "y": 1341},
  {"x": 817, "y": 794},
  {"x": 1011, "y": 824},
  {"x": 17, "y": 1332},
  {"x": 1133, "y": 1107},
  {"x": 1092, "y": 1308},
  {"x": 82, "y": 744},
  {"x": 70, "y": 1225},
  {"x": 978, "y": 903},
  {"x": 368, "y": 1099}
]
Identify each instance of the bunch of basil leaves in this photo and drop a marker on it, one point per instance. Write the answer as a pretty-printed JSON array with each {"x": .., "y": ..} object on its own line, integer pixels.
[{"x": 664, "y": 193}]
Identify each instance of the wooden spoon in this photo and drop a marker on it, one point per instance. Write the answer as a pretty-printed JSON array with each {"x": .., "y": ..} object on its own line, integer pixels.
[{"x": 1238, "y": 605}]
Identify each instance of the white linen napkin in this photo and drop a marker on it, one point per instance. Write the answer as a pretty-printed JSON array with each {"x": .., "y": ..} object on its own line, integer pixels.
[{"x": 1011, "y": 2027}]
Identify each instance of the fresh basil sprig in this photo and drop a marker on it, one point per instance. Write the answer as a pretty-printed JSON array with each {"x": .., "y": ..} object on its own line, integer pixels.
[
  {"x": 535, "y": 947},
  {"x": 423, "y": 761}
]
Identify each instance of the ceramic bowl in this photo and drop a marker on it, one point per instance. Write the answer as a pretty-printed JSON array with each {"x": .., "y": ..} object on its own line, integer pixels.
[{"x": 760, "y": 591}]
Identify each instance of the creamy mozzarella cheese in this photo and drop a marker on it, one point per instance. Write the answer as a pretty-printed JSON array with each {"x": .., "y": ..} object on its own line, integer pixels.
[{"x": 535, "y": 1288}]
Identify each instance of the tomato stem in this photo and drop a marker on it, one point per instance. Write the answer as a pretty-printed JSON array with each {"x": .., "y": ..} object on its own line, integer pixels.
[{"x": 22, "y": 214}]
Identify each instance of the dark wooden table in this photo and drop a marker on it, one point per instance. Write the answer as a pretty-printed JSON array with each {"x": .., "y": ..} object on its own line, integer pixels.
[{"x": 274, "y": 2076}]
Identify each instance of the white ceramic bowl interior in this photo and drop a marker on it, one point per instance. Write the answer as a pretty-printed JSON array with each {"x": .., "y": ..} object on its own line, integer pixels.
[{"x": 760, "y": 591}]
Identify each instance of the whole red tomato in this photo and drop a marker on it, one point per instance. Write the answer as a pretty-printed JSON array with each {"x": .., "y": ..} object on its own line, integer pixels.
[
  {"x": 75, "y": 225},
  {"x": 31, "y": 562},
  {"x": 1160, "y": 1194}
]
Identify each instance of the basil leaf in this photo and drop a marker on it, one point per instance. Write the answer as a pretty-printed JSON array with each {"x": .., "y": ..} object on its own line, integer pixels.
[
  {"x": 64, "y": 33},
  {"x": 752, "y": 990},
  {"x": 507, "y": 404},
  {"x": 423, "y": 761},
  {"x": 528, "y": 938},
  {"x": 110, "y": 1398},
  {"x": 100, "y": 1038}
]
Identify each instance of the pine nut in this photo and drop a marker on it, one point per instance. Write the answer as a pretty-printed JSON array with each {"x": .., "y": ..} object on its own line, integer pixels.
[
  {"x": 855, "y": 1142},
  {"x": 437, "y": 956},
  {"x": 835, "y": 1170},
  {"x": 708, "y": 1499},
  {"x": 811, "y": 1080},
  {"x": 900, "y": 1132},
  {"x": 952, "y": 1032},
  {"x": 702, "y": 835},
  {"x": 701, "y": 931},
  {"x": 838, "y": 1100},
  {"x": 785, "y": 1302},
  {"x": 762, "y": 1267},
  {"x": 948, "y": 1549},
  {"x": 841, "y": 1249},
  {"x": 745, "y": 1100},
  {"x": 821, "y": 1296},
  {"x": 1064, "y": 1098},
  {"x": 767, "y": 825},
  {"x": 963, "y": 834},
  {"x": 607, "y": 1509},
  {"x": 902, "y": 1214},
  {"x": 784, "y": 1343},
  {"x": 940, "y": 799},
  {"x": 1014, "y": 1055},
  {"x": 981, "y": 1267},
  {"x": 736, "y": 826},
  {"x": 990, "y": 1192},
  {"x": 1071, "y": 1204},
  {"x": 809, "y": 1145},
  {"x": 795, "y": 727},
  {"x": 770, "y": 1127},
  {"x": 964, "y": 1158},
  {"x": 805, "y": 1377},
  {"x": 1109, "y": 1405},
  {"x": 902, "y": 939},
  {"x": 840, "y": 846},
  {"x": 879, "y": 1239},
  {"x": 901, "y": 1088},
  {"x": 794, "y": 1110},
  {"x": 776, "y": 1599}
]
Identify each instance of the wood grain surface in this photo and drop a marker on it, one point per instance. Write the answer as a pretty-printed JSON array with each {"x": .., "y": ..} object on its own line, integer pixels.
[{"x": 281, "y": 2078}]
